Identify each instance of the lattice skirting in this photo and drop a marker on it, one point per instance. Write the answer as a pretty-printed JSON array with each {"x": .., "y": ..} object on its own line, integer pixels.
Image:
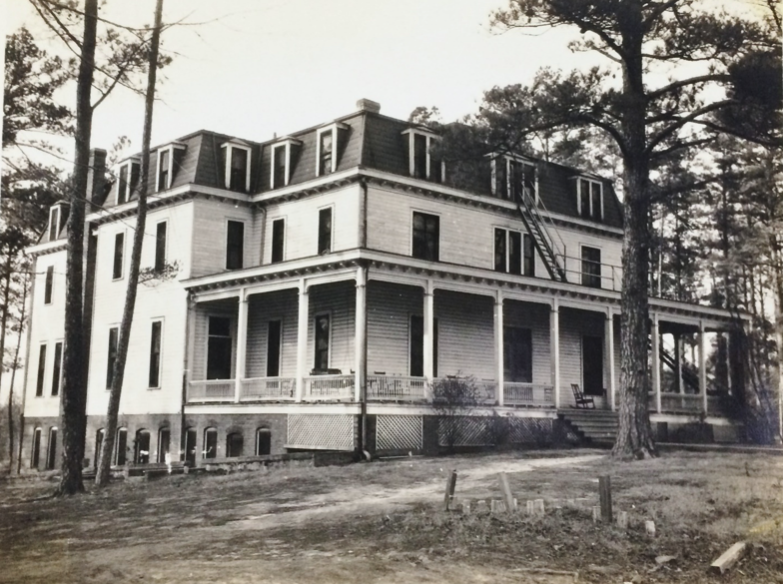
[
  {"x": 480, "y": 431},
  {"x": 321, "y": 432},
  {"x": 399, "y": 433}
]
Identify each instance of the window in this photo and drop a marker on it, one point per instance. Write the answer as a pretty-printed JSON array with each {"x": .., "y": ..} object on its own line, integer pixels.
[
  {"x": 278, "y": 240},
  {"x": 54, "y": 222},
  {"x": 51, "y": 451},
  {"x": 114, "y": 338},
  {"x": 41, "y": 371},
  {"x": 154, "y": 374},
  {"x": 263, "y": 441},
  {"x": 591, "y": 267},
  {"x": 234, "y": 444},
  {"x": 99, "y": 436},
  {"x": 57, "y": 373},
  {"x": 514, "y": 252},
  {"x": 164, "y": 170},
  {"x": 164, "y": 445},
  {"x": 517, "y": 354},
  {"x": 325, "y": 153},
  {"x": 236, "y": 166},
  {"x": 122, "y": 187},
  {"x": 128, "y": 180},
  {"x": 593, "y": 365},
  {"x": 325, "y": 231},
  {"x": 35, "y": 453},
  {"x": 160, "y": 246},
  {"x": 141, "y": 447},
  {"x": 279, "y": 166},
  {"x": 119, "y": 247},
  {"x": 273, "y": 346},
  {"x": 417, "y": 346},
  {"x": 48, "y": 285},
  {"x": 235, "y": 245},
  {"x": 590, "y": 199},
  {"x": 322, "y": 334},
  {"x": 121, "y": 450},
  {"x": 528, "y": 256},
  {"x": 426, "y": 236},
  {"x": 327, "y": 143},
  {"x": 219, "y": 348},
  {"x": 514, "y": 177},
  {"x": 190, "y": 446},
  {"x": 210, "y": 443},
  {"x": 423, "y": 162}
]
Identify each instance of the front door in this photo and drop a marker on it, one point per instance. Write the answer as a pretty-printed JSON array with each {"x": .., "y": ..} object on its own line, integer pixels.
[{"x": 593, "y": 366}]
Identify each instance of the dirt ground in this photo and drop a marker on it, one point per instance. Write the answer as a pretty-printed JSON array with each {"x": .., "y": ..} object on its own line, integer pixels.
[{"x": 384, "y": 522}]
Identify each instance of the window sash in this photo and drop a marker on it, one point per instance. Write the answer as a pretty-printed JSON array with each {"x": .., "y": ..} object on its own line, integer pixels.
[
  {"x": 529, "y": 255},
  {"x": 164, "y": 163},
  {"x": 155, "y": 350},
  {"x": 122, "y": 191},
  {"x": 278, "y": 240},
  {"x": 273, "y": 348},
  {"x": 280, "y": 178},
  {"x": 49, "y": 285},
  {"x": 219, "y": 348},
  {"x": 235, "y": 243},
  {"x": 57, "y": 372},
  {"x": 119, "y": 249},
  {"x": 591, "y": 267},
  {"x": 325, "y": 230},
  {"x": 160, "y": 246},
  {"x": 426, "y": 235},
  {"x": 326, "y": 152},
  {"x": 114, "y": 338},
  {"x": 41, "y": 371},
  {"x": 54, "y": 223},
  {"x": 238, "y": 171}
]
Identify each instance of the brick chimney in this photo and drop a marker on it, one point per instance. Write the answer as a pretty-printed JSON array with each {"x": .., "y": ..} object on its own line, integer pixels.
[
  {"x": 368, "y": 105},
  {"x": 96, "y": 178}
]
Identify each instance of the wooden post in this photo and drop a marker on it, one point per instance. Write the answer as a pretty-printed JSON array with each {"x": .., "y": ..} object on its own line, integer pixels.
[
  {"x": 605, "y": 494},
  {"x": 622, "y": 520},
  {"x": 241, "y": 357},
  {"x": 730, "y": 557},
  {"x": 703, "y": 366},
  {"x": 656, "y": 361},
  {"x": 499, "y": 365},
  {"x": 596, "y": 513},
  {"x": 649, "y": 528},
  {"x": 451, "y": 484},
  {"x": 507, "y": 496},
  {"x": 428, "y": 316},
  {"x": 609, "y": 349},
  {"x": 554, "y": 349},
  {"x": 301, "y": 339}
]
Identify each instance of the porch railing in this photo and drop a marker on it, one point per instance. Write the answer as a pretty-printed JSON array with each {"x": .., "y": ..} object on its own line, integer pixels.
[
  {"x": 687, "y": 403},
  {"x": 211, "y": 390},
  {"x": 268, "y": 388},
  {"x": 319, "y": 387},
  {"x": 395, "y": 387},
  {"x": 517, "y": 393}
]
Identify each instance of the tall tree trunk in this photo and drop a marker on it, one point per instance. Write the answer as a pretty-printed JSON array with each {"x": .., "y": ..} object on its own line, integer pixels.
[
  {"x": 73, "y": 400},
  {"x": 3, "y": 325},
  {"x": 13, "y": 378},
  {"x": 118, "y": 374},
  {"x": 634, "y": 436}
]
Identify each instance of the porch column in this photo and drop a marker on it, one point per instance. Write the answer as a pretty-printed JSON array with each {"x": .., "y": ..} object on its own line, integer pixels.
[
  {"x": 703, "y": 365},
  {"x": 301, "y": 339},
  {"x": 554, "y": 340},
  {"x": 678, "y": 361},
  {"x": 239, "y": 374},
  {"x": 360, "y": 340},
  {"x": 499, "y": 365},
  {"x": 429, "y": 336},
  {"x": 656, "y": 361},
  {"x": 609, "y": 343},
  {"x": 190, "y": 341},
  {"x": 728, "y": 363}
]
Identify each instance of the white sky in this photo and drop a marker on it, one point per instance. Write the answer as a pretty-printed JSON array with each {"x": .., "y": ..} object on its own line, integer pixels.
[{"x": 259, "y": 67}]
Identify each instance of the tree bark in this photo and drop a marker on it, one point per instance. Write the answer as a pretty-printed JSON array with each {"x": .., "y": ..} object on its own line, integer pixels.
[
  {"x": 74, "y": 391},
  {"x": 3, "y": 324},
  {"x": 634, "y": 436},
  {"x": 13, "y": 378},
  {"x": 118, "y": 374}
]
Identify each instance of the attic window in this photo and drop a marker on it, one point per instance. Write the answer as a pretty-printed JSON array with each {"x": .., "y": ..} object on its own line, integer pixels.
[
  {"x": 54, "y": 222},
  {"x": 422, "y": 162},
  {"x": 165, "y": 169},
  {"x": 128, "y": 180},
  {"x": 282, "y": 162},
  {"x": 590, "y": 199},
  {"x": 512, "y": 176},
  {"x": 328, "y": 142},
  {"x": 236, "y": 166}
]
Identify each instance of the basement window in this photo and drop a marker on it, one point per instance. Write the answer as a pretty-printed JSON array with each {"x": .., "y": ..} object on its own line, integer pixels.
[
  {"x": 210, "y": 443},
  {"x": 121, "y": 448},
  {"x": 234, "y": 444},
  {"x": 35, "y": 453},
  {"x": 141, "y": 450},
  {"x": 263, "y": 441},
  {"x": 51, "y": 451}
]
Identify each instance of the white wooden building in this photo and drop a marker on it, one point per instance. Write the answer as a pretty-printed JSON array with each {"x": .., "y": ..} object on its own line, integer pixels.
[{"x": 296, "y": 287}]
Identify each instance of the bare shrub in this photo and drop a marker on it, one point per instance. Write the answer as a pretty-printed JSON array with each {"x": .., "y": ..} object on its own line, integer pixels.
[{"x": 453, "y": 399}]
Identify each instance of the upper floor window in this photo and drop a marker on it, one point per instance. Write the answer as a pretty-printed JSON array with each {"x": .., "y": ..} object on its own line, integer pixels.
[
  {"x": 48, "y": 285},
  {"x": 514, "y": 252},
  {"x": 128, "y": 180},
  {"x": 54, "y": 222},
  {"x": 591, "y": 266},
  {"x": 512, "y": 176},
  {"x": 57, "y": 372},
  {"x": 426, "y": 236},
  {"x": 325, "y": 230},
  {"x": 160, "y": 246},
  {"x": 119, "y": 248},
  {"x": 235, "y": 157},
  {"x": 235, "y": 245},
  {"x": 282, "y": 162},
  {"x": 327, "y": 143},
  {"x": 423, "y": 161},
  {"x": 155, "y": 338},
  {"x": 165, "y": 170},
  {"x": 278, "y": 240},
  {"x": 39, "y": 386},
  {"x": 590, "y": 199},
  {"x": 114, "y": 341}
]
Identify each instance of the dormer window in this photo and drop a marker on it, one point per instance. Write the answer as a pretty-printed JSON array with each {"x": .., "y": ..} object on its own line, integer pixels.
[
  {"x": 54, "y": 222},
  {"x": 130, "y": 171},
  {"x": 236, "y": 165},
  {"x": 329, "y": 139},
  {"x": 422, "y": 162},
  {"x": 165, "y": 168},
  {"x": 590, "y": 199},
  {"x": 512, "y": 176},
  {"x": 282, "y": 162}
]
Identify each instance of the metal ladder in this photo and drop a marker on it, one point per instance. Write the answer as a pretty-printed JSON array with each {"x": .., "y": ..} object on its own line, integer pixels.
[{"x": 535, "y": 224}]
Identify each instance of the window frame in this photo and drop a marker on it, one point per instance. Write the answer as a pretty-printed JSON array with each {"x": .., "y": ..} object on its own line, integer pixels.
[
  {"x": 160, "y": 454},
  {"x": 127, "y": 165},
  {"x": 316, "y": 316},
  {"x": 508, "y": 160},
  {"x": 170, "y": 148},
  {"x": 57, "y": 369},
  {"x": 330, "y": 248},
  {"x": 230, "y": 446},
  {"x": 117, "y": 441},
  {"x": 51, "y": 449},
  {"x": 153, "y": 322},
  {"x": 229, "y": 146},
  {"x": 161, "y": 257},
  {"x": 40, "y": 381},
  {"x": 586, "y": 276},
  {"x": 591, "y": 216},
  {"x": 272, "y": 260},
  {"x": 287, "y": 145},
  {"x": 118, "y": 262},
  {"x": 205, "y": 455},
  {"x": 415, "y": 212},
  {"x": 259, "y": 431},
  {"x": 242, "y": 251},
  {"x": 279, "y": 346},
  {"x": 429, "y": 173},
  {"x": 49, "y": 285},
  {"x": 54, "y": 226},
  {"x": 231, "y": 336},
  {"x": 334, "y": 129},
  {"x": 109, "y": 359},
  {"x": 35, "y": 447}
]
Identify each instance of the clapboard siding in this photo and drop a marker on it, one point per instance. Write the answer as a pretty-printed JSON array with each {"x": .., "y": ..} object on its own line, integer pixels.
[
  {"x": 210, "y": 225},
  {"x": 301, "y": 223},
  {"x": 611, "y": 255},
  {"x": 389, "y": 308},
  {"x": 339, "y": 301},
  {"x": 262, "y": 308},
  {"x": 465, "y": 334}
]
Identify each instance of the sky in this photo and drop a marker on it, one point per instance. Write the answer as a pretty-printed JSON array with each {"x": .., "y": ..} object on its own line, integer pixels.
[{"x": 256, "y": 68}]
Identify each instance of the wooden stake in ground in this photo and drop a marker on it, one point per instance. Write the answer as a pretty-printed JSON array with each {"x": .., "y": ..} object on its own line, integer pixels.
[
  {"x": 605, "y": 493},
  {"x": 451, "y": 484},
  {"x": 507, "y": 496},
  {"x": 730, "y": 557}
]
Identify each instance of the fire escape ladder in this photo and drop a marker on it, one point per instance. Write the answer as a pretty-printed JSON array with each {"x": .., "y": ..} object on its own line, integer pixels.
[{"x": 536, "y": 227}]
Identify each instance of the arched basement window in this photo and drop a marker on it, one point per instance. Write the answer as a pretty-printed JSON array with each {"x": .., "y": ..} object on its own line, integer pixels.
[
  {"x": 121, "y": 448},
  {"x": 141, "y": 451},
  {"x": 99, "y": 436},
  {"x": 190, "y": 446},
  {"x": 210, "y": 443},
  {"x": 51, "y": 453},
  {"x": 164, "y": 443},
  {"x": 263, "y": 441},
  {"x": 234, "y": 444},
  {"x": 35, "y": 455}
]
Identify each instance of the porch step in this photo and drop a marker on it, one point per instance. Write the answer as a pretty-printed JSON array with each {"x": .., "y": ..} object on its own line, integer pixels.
[{"x": 593, "y": 425}]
